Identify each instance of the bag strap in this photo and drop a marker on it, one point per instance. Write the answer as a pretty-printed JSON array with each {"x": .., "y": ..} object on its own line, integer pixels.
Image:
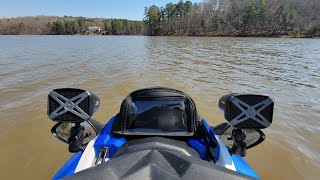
[{"x": 209, "y": 143}]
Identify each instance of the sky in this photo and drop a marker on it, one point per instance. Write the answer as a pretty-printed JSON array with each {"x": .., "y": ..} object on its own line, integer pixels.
[{"x": 125, "y": 9}]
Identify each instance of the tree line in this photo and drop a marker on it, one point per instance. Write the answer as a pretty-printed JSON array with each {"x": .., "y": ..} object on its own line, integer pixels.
[
  {"x": 209, "y": 18},
  {"x": 235, "y": 18},
  {"x": 68, "y": 26}
]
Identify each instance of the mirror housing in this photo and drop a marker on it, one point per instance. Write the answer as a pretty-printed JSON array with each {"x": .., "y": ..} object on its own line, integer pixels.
[
  {"x": 253, "y": 137},
  {"x": 71, "y": 105},
  {"x": 62, "y": 131},
  {"x": 247, "y": 111}
]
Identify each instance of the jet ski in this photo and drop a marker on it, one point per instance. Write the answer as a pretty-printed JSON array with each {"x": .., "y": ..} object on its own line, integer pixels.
[{"x": 157, "y": 134}]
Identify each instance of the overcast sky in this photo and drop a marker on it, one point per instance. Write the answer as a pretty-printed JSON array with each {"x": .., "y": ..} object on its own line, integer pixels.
[{"x": 126, "y": 9}]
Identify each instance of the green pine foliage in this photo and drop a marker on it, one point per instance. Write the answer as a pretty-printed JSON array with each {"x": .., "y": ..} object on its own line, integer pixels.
[{"x": 233, "y": 18}]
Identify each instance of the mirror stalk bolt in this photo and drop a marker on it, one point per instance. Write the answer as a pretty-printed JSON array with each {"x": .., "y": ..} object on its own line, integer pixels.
[
  {"x": 239, "y": 146},
  {"x": 76, "y": 138}
]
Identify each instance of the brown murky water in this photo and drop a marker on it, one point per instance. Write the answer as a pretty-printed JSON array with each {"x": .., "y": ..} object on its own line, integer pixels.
[{"x": 288, "y": 70}]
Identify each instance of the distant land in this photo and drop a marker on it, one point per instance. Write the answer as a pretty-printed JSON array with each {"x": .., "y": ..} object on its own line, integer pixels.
[
  {"x": 261, "y": 18},
  {"x": 67, "y": 25}
]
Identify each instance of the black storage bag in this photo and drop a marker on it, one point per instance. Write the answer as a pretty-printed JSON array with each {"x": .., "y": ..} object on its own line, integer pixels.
[{"x": 157, "y": 111}]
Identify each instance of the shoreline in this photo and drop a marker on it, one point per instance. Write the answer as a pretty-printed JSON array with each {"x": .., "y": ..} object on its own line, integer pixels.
[{"x": 175, "y": 35}]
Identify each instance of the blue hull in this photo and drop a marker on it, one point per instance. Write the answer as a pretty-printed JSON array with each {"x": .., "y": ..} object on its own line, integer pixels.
[{"x": 106, "y": 139}]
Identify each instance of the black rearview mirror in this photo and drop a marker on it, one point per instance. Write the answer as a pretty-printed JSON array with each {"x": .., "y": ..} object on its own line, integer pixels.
[
  {"x": 253, "y": 136},
  {"x": 62, "y": 131}
]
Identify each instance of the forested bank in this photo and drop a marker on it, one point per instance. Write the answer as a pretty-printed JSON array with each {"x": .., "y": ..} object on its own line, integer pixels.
[
  {"x": 293, "y": 18},
  {"x": 235, "y": 18},
  {"x": 68, "y": 26}
]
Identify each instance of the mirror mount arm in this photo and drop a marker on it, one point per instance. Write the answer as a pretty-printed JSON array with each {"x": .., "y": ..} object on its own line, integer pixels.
[
  {"x": 239, "y": 146},
  {"x": 76, "y": 138}
]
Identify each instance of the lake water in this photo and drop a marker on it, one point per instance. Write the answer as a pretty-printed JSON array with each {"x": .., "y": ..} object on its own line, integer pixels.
[{"x": 206, "y": 68}]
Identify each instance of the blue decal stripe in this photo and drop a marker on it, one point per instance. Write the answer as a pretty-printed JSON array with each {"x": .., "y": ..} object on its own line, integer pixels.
[
  {"x": 106, "y": 139},
  {"x": 243, "y": 167},
  {"x": 69, "y": 167},
  {"x": 107, "y": 128},
  {"x": 199, "y": 146},
  {"x": 211, "y": 133}
]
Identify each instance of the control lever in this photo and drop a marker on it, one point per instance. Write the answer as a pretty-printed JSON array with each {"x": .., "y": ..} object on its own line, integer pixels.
[{"x": 239, "y": 146}]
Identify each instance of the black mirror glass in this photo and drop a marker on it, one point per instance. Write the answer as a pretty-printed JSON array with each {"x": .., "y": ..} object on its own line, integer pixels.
[
  {"x": 62, "y": 131},
  {"x": 253, "y": 137}
]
